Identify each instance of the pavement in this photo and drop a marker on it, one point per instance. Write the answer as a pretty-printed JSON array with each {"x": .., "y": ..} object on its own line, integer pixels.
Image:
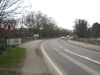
[
  {"x": 69, "y": 59},
  {"x": 85, "y": 45},
  {"x": 33, "y": 64}
]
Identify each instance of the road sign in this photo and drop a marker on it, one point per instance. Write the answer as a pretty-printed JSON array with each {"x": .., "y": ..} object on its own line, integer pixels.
[
  {"x": 14, "y": 41},
  {"x": 36, "y": 36},
  {"x": 9, "y": 27}
]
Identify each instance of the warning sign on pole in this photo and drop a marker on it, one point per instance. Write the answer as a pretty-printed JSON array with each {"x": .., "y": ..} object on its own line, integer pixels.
[{"x": 9, "y": 26}]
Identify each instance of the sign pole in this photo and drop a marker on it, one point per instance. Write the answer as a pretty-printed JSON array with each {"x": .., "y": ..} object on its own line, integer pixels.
[
  {"x": 9, "y": 26},
  {"x": 8, "y": 41}
]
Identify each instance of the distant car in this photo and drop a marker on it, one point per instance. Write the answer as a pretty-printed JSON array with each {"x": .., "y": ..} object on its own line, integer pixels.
[{"x": 63, "y": 37}]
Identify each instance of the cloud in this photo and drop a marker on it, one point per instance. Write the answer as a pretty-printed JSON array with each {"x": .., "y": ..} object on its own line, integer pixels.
[{"x": 66, "y": 11}]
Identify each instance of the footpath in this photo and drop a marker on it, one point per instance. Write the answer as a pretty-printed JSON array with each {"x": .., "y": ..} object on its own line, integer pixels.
[
  {"x": 85, "y": 45},
  {"x": 33, "y": 63}
]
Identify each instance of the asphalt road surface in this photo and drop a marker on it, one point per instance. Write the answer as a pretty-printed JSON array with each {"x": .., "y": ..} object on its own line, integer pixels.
[{"x": 70, "y": 59}]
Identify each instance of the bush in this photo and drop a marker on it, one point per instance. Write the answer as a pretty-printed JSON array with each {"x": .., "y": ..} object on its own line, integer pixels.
[
  {"x": 2, "y": 49},
  {"x": 7, "y": 72}
]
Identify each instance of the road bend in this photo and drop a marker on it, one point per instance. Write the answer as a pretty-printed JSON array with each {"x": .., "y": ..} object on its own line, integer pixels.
[{"x": 70, "y": 59}]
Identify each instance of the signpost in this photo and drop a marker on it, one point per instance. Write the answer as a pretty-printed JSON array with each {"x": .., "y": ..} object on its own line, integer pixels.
[
  {"x": 9, "y": 26},
  {"x": 36, "y": 36},
  {"x": 14, "y": 42}
]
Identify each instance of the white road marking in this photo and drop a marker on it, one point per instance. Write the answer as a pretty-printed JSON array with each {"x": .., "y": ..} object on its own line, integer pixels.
[
  {"x": 58, "y": 44},
  {"x": 50, "y": 68},
  {"x": 50, "y": 61},
  {"x": 85, "y": 57},
  {"x": 83, "y": 66}
]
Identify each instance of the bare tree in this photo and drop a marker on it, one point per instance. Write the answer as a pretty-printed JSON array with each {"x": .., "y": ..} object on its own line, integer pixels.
[
  {"x": 39, "y": 23},
  {"x": 8, "y": 8},
  {"x": 34, "y": 21},
  {"x": 30, "y": 22},
  {"x": 39, "y": 20}
]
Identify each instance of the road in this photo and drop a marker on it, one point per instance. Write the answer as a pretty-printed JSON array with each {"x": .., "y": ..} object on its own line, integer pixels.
[{"x": 69, "y": 59}]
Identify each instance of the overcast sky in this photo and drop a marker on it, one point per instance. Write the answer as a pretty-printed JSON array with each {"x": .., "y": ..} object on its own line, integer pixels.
[{"x": 66, "y": 11}]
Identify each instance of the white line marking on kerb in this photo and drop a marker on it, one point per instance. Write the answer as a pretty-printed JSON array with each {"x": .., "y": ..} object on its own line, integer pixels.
[
  {"x": 85, "y": 57},
  {"x": 57, "y": 69},
  {"x": 58, "y": 44}
]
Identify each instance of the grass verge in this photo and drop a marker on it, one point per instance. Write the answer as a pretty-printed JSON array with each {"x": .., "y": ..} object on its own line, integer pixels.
[
  {"x": 13, "y": 56},
  {"x": 8, "y": 73},
  {"x": 10, "y": 60}
]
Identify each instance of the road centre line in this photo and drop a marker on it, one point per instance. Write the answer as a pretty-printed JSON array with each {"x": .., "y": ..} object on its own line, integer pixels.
[
  {"x": 85, "y": 57},
  {"x": 58, "y": 44}
]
